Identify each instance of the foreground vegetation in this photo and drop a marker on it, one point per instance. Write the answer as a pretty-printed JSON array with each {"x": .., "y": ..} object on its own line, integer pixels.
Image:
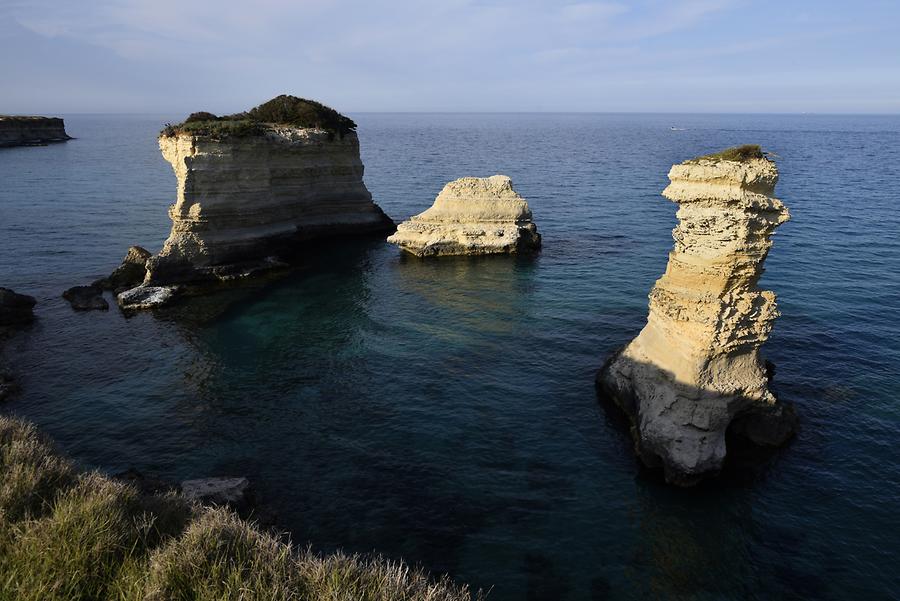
[
  {"x": 66, "y": 535},
  {"x": 281, "y": 110}
]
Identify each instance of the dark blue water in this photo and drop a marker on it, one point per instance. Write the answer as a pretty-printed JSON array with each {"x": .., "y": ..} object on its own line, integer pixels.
[{"x": 444, "y": 411}]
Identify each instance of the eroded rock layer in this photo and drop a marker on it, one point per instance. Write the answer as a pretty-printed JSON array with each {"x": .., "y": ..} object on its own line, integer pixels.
[
  {"x": 30, "y": 131},
  {"x": 471, "y": 216},
  {"x": 696, "y": 365},
  {"x": 247, "y": 198}
]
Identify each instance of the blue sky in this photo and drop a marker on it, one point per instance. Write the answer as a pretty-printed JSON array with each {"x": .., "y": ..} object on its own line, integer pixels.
[{"x": 177, "y": 56}]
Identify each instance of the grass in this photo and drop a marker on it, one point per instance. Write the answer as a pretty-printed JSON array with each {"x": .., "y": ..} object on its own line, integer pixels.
[
  {"x": 66, "y": 535},
  {"x": 281, "y": 110},
  {"x": 741, "y": 154}
]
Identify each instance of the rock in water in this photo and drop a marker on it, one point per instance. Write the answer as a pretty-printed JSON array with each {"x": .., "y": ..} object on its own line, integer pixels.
[
  {"x": 471, "y": 216},
  {"x": 86, "y": 298},
  {"x": 15, "y": 309},
  {"x": 146, "y": 297},
  {"x": 696, "y": 366},
  {"x": 218, "y": 491},
  {"x": 31, "y": 131},
  {"x": 130, "y": 273},
  {"x": 254, "y": 185}
]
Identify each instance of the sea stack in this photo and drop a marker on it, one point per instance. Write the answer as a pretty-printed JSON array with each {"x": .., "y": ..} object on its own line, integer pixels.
[
  {"x": 471, "y": 216},
  {"x": 252, "y": 186},
  {"x": 695, "y": 369},
  {"x": 31, "y": 131}
]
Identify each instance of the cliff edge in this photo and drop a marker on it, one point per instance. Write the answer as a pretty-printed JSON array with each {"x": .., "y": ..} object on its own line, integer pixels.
[{"x": 696, "y": 367}]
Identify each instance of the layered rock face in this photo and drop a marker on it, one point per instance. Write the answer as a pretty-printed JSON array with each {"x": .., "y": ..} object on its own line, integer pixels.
[
  {"x": 245, "y": 198},
  {"x": 30, "y": 131},
  {"x": 696, "y": 367},
  {"x": 471, "y": 216}
]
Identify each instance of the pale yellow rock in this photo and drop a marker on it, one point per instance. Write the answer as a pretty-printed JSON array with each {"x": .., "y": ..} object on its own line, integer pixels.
[
  {"x": 696, "y": 364},
  {"x": 471, "y": 216},
  {"x": 243, "y": 199}
]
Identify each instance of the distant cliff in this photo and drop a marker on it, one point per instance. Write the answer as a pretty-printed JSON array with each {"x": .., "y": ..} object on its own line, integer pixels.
[
  {"x": 29, "y": 131},
  {"x": 252, "y": 186}
]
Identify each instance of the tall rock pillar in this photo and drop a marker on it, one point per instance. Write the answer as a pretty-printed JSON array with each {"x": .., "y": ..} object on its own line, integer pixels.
[{"x": 696, "y": 365}]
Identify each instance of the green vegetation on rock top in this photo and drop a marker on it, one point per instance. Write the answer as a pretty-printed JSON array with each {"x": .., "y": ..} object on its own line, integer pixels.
[
  {"x": 68, "y": 535},
  {"x": 281, "y": 110},
  {"x": 747, "y": 152}
]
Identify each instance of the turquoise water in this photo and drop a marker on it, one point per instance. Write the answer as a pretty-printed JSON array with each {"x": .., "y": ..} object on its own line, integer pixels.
[{"x": 443, "y": 411}]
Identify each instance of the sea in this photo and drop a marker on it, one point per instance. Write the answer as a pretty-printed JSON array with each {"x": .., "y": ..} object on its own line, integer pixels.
[{"x": 443, "y": 410}]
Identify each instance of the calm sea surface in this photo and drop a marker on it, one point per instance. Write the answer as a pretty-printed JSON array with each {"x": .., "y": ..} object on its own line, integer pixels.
[{"x": 444, "y": 411}]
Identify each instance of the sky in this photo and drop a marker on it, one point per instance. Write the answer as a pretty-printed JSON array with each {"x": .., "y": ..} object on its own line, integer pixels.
[{"x": 719, "y": 56}]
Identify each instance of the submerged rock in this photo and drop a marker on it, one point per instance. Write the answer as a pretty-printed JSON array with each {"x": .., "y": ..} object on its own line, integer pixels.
[
  {"x": 8, "y": 384},
  {"x": 86, "y": 298},
  {"x": 257, "y": 184},
  {"x": 15, "y": 308},
  {"x": 695, "y": 367},
  {"x": 31, "y": 131},
  {"x": 471, "y": 216},
  {"x": 130, "y": 273},
  {"x": 218, "y": 491},
  {"x": 146, "y": 297}
]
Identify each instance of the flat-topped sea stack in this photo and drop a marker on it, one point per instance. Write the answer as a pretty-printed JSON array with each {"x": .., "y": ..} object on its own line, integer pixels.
[
  {"x": 695, "y": 369},
  {"x": 31, "y": 131},
  {"x": 471, "y": 216},
  {"x": 253, "y": 186}
]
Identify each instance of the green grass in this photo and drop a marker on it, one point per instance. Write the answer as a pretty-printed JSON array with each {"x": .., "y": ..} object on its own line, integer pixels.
[
  {"x": 66, "y": 535},
  {"x": 281, "y": 110},
  {"x": 747, "y": 152}
]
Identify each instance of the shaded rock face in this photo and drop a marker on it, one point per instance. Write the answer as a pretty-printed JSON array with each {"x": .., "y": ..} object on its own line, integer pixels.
[
  {"x": 15, "y": 309},
  {"x": 130, "y": 273},
  {"x": 31, "y": 131},
  {"x": 255, "y": 197},
  {"x": 696, "y": 365},
  {"x": 471, "y": 216}
]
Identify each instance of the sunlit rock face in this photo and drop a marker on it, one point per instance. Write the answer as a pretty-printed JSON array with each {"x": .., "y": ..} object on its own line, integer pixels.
[
  {"x": 250, "y": 198},
  {"x": 696, "y": 365},
  {"x": 471, "y": 216}
]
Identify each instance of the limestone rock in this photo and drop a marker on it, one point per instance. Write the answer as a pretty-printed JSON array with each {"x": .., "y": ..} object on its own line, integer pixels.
[
  {"x": 471, "y": 216},
  {"x": 130, "y": 273},
  {"x": 696, "y": 365},
  {"x": 146, "y": 297},
  {"x": 86, "y": 298},
  {"x": 218, "y": 491},
  {"x": 31, "y": 131},
  {"x": 15, "y": 309},
  {"x": 248, "y": 192}
]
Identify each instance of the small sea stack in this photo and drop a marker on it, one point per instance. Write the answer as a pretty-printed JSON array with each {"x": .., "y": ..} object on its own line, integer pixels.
[
  {"x": 31, "y": 130},
  {"x": 471, "y": 216},
  {"x": 252, "y": 187},
  {"x": 695, "y": 369}
]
